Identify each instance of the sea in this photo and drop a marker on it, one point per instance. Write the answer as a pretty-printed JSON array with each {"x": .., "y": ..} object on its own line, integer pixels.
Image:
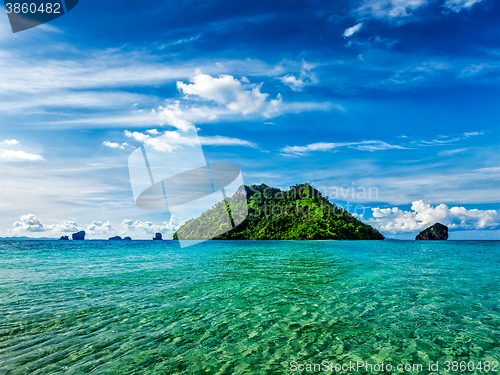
[{"x": 250, "y": 307}]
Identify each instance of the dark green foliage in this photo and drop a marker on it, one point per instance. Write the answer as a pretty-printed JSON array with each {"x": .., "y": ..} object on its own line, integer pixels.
[{"x": 299, "y": 213}]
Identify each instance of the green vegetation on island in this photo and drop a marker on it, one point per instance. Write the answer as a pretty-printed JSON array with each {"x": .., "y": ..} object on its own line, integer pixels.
[{"x": 299, "y": 213}]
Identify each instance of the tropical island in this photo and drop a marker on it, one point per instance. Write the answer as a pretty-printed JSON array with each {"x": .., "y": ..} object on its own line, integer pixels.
[{"x": 298, "y": 213}]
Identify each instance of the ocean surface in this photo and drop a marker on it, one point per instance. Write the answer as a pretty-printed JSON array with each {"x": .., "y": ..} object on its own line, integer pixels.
[{"x": 147, "y": 307}]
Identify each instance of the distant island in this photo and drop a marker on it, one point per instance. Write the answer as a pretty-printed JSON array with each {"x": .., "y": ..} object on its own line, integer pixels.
[
  {"x": 118, "y": 238},
  {"x": 299, "y": 213},
  {"x": 435, "y": 232},
  {"x": 79, "y": 236}
]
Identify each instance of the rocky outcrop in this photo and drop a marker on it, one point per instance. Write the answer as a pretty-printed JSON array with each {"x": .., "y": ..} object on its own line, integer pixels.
[
  {"x": 64, "y": 238},
  {"x": 437, "y": 231},
  {"x": 127, "y": 239},
  {"x": 79, "y": 236},
  {"x": 157, "y": 237}
]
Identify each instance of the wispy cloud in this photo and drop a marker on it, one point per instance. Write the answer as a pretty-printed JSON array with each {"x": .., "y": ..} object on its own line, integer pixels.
[
  {"x": 322, "y": 146},
  {"x": 168, "y": 141},
  {"x": 218, "y": 140},
  {"x": 391, "y": 11},
  {"x": 453, "y": 152},
  {"x": 305, "y": 78},
  {"x": 458, "y": 5}
]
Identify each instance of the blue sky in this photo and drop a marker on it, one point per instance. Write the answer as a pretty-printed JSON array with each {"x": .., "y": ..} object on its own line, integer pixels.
[{"x": 396, "y": 95}]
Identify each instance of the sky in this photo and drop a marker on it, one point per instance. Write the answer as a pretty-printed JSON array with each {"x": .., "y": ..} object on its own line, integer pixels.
[{"x": 389, "y": 107}]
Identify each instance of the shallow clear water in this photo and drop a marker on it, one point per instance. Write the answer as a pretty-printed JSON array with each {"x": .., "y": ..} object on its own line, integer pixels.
[{"x": 245, "y": 307}]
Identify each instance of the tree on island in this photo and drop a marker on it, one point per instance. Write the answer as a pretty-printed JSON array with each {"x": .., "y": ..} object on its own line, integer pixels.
[{"x": 299, "y": 213}]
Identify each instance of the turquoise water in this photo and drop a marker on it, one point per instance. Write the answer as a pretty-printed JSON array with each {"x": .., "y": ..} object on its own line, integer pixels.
[{"x": 245, "y": 307}]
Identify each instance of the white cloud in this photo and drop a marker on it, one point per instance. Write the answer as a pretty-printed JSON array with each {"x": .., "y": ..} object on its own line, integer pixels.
[
  {"x": 218, "y": 140},
  {"x": 306, "y": 77},
  {"x": 66, "y": 227},
  {"x": 322, "y": 146},
  {"x": 172, "y": 140},
  {"x": 30, "y": 223},
  {"x": 19, "y": 156},
  {"x": 371, "y": 41},
  {"x": 167, "y": 142},
  {"x": 226, "y": 90},
  {"x": 113, "y": 145},
  {"x": 100, "y": 228},
  {"x": 453, "y": 152},
  {"x": 173, "y": 115},
  {"x": 458, "y": 5},
  {"x": 11, "y": 142},
  {"x": 392, "y": 11},
  {"x": 296, "y": 84},
  {"x": 422, "y": 215},
  {"x": 352, "y": 30},
  {"x": 470, "y": 134},
  {"x": 141, "y": 229},
  {"x": 489, "y": 170},
  {"x": 402, "y": 11}
]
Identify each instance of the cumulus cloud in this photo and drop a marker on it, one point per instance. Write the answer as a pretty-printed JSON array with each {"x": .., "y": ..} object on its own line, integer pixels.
[
  {"x": 18, "y": 155},
  {"x": 113, "y": 145},
  {"x": 11, "y": 142},
  {"x": 182, "y": 119},
  {"x": 237, "y": 96},
  {"x": 422, "y": 215},
  {"x": 352, "y": 30},
  {"x": 146, "y": 229},
  {"x": 323, "y": 146},
  {"x": 100, "y": 228},
  {"x": 30, "y": 223}
]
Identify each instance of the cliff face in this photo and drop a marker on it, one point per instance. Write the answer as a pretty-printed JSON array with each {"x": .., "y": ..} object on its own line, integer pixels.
[
  {"x": 299, "y": 213},
  {"x": 437, "y": 231}
]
